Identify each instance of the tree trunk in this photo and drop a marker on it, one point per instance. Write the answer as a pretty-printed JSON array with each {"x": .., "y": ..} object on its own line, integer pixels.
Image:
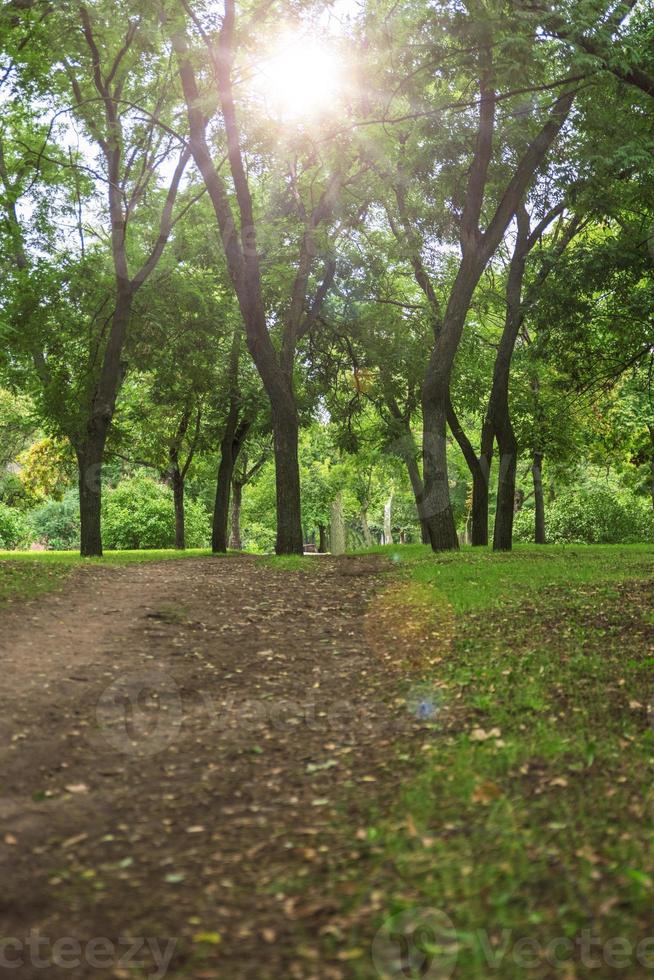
[
  {"x": 322, "y": 539},
  {"x": 365, "y": 527},
  {"x": 178, "y": 496},
  {"x": 537, "y": 473},
  {"x": 337, "y": 526},
  {"x": 91, "y": 453},
  {"x": 287, "y": 473},
  {"x": 436, "y": 406},
  {"x": 223, "y": 487},
  {"x": 479, "y": 470},
  {"x": 499, "y": 414},
  {"x": 235, "y": 542},
  {"x": 388, "y": 521},
  {"x": 89, "y": 463},
  {"x": 230, "y": 446},
  {"x": 417, "y": 487},
  {"x": 505, "y": 508},
  {"x": 480, "y": 500},
  {"x": 436, "y": 507}
]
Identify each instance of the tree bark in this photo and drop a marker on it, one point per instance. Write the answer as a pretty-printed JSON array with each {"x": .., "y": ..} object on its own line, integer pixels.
[
  {"x": 388, "y": 521},
  {"x": 539, "y": 500},
  {"x": 480, "y": 474},
  {"x": 486, "y": 464},
  {"x": 89, "y": 462},
  {"x": 505, "y": 507},
  {"x": 178, "y": 496},
  {"x": 221, "y": 503},
  {"x": 365, "y": 527},
  {"x": 498, "y": 407},
  {"x": 286, "y": 427},
  {"x": 418, "y": 490},
  {"x": 407, "y": 450},
  {"x": 436, "y": 509},
  {"x": 231, "y": 444},
  {"x": 322, "y": 539},
  {"x": 235, "y": 542},
  {"x": 337, "y": 526},
  {"x": 178, "y": 474},
  {"x": 90, "y": 455}
]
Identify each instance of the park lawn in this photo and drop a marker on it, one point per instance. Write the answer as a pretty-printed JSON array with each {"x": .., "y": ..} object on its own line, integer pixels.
[
  {"x": 28, "y": 574},
  {"x": 531, "y": 812}
]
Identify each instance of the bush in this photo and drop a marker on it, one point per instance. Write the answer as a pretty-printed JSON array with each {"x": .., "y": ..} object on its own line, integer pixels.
[
  {"x": 13, "y": 493},
  {"x": 139, "y": 513},
  {"x": 523, "y": 525},
  {"x": 15, "y": 531},
  {"x": 594, "y": 515},
  {"x": 56, "y": 522},
  {"x": 258, "y": 537}
]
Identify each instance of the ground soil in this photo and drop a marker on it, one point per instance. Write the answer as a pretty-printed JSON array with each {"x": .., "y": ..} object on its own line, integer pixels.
[{"x": 188, "y": 751}]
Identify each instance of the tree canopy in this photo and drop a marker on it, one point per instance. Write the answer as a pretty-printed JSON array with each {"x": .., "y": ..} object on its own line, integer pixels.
[{"x": 387, "y": 264}]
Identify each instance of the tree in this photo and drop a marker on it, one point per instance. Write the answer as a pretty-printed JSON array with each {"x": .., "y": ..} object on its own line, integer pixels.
[
  {"x": 486, "y": 187},
  {"x": 315, "y": 197},
  {"x": 110, "y": 68}
]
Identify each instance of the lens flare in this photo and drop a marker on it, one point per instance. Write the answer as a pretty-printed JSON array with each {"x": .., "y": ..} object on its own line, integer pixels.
[{"x": 300, "y": 78}]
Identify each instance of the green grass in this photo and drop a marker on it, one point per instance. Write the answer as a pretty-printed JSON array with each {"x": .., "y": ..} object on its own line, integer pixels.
[
  {"x": 477, "y": 578},
  {"x": 530, "y": 813},
  {"x": 108, "y": 558},
  {"x": 28, "y": 574},
  {"x": 293, "y": 563}
]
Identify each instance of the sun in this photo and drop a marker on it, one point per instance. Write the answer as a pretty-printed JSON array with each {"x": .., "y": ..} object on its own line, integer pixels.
[{"x": 301, "y": 77}]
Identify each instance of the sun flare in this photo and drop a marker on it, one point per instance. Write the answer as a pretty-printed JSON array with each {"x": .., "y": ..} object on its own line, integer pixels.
[{"x": 300, "y": 78}]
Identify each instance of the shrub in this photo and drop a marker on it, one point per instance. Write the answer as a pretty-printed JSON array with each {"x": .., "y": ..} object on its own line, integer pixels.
[
  {"x": 13, "y": 493},
  {"x": 593, "y": 515},
  {"x": 56, "y": 522},
  {"x": 258, "y": 537},
  {"x": 523, "y": 525},
  {"x": 139, "y": 513},
  {"x": 15, "y": 531}
]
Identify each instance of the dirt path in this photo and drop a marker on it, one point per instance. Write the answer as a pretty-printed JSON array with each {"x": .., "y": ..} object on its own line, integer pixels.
[{"x": 187, "y": 751}]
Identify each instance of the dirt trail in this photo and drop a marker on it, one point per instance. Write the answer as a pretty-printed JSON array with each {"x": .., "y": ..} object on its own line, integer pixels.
[{"x": 184, "y": 746}]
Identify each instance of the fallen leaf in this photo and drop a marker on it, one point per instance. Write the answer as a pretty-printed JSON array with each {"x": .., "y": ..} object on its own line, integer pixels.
[
  {"x": 485, "y": 793},
  {"x": 212, "y": 938}
]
